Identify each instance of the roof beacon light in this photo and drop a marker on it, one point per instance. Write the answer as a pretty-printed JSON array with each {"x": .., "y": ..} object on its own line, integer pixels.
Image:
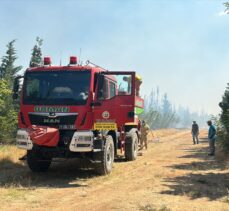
[
  {"x": 47, "y": 61},
  {"x": 73, "y": 60}
]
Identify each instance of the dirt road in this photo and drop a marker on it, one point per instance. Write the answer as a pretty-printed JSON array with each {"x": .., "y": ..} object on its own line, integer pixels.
[{"x": 173, "y": 174}]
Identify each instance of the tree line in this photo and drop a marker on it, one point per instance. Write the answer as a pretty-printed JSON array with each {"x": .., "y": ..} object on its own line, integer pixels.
[
  {"x": 159, "y": 112},
  {"x": 8, "y": 71}
]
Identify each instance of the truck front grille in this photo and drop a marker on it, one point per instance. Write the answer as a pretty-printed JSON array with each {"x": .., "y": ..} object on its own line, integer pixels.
[{"x": 53, "y": 120}]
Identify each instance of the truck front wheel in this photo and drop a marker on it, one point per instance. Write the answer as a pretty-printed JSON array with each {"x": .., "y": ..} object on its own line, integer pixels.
[
  {"x": 36, "y": 162},
  {"x": 131, "y": 147},
  {"x": 106, "y": 157}
]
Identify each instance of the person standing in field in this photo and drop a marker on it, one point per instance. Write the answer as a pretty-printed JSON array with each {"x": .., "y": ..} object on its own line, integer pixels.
[
  {"x": 211, "y": 137},
  {"x": 144, "y": 132},
  {"x": 195, "y": 132}
]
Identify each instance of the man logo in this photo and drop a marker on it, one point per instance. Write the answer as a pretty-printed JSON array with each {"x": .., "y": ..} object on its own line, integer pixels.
[
  {"x": 105, "y": 115},
  {"x": 52, "y": 114}
]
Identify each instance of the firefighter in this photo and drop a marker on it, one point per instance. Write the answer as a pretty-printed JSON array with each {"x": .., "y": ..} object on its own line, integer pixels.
[
  {"x": 144, "y": 132},
  {"x": 138, "y": 82},
  {"x": 195, "y": 133}
]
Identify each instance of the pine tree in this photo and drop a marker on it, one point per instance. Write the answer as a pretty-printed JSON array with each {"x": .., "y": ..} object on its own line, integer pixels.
[
  {"x": 8, "y": 70},
  {"x": 168, "y": 115},
  {"x": 225, "y": 109},
  {"x": 226, "y": 4},
  {"x": 8, "y": 108},
  {"x": 166, "y": 105},
  {"x": 223, "y": 130},
  {"x": 36, "y": 59}
]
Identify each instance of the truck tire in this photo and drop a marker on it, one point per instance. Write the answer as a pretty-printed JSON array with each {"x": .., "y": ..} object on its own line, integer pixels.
[
  {"x": 106, "y": 157},
  {"x": 131, "y": 147},
  {"x": 36, "y": 162}
]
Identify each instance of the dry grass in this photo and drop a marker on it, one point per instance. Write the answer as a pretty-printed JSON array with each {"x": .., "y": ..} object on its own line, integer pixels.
[
  {"x": 172, "y": 175},
  {"x": 10, "y": 152}
]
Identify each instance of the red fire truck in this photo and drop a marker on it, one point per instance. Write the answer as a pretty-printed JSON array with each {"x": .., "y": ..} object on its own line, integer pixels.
[{"x": 77, "y": 111}]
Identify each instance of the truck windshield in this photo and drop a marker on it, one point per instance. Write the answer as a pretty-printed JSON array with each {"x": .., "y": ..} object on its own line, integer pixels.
[{"x": 56, "y": 88}]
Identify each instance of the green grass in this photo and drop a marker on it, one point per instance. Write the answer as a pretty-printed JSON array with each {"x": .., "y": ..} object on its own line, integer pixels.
[
  {"x": 18, "y": 194},
  {"x": 4, "y": 148}
]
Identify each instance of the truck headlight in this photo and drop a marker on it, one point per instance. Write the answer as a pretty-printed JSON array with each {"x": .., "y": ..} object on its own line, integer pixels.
[{"x": 22, "y": 136}]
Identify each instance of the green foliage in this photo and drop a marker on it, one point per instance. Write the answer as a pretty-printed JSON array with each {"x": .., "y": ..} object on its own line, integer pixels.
[
  {"x": 226, "y": 4},
  {"x": 8, "y": 113},
  {"x": 36, "y": 59},
  {"x": 223, "y": 121},
  {"x": 159, "y": 114}
]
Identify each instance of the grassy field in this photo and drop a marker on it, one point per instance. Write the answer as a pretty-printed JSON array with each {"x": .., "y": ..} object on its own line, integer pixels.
[{"x": 173, "y": 174}]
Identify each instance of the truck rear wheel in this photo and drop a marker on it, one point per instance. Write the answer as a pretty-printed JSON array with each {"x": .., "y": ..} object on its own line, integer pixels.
[
  {"x": 36, "y": 162},
  {"x": 131, "y": 147},
  {"x": 106, "y": 158}
]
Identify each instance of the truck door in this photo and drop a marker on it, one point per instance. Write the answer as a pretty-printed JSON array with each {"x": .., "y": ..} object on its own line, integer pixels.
[{"x": 114, "y": 100}]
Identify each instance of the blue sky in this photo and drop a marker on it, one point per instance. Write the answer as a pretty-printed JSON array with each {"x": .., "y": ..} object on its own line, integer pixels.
[{"x": 180, "y": 46}]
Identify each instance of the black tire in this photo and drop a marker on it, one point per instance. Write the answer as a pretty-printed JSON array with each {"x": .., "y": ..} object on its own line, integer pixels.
[
  {"x": 131, "y": 147},
  {"x": 36, "y": 162},
  {"x": 106, "y": 158}
]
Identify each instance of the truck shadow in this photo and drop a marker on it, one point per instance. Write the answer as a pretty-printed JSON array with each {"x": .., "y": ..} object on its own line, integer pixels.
[
  {"x": 119, "y": 159},
  {"x": 71, "y": 173}
]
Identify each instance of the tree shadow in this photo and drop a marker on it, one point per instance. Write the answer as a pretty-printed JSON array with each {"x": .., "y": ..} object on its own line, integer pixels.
[
  {"x": 201, "y": 141},
  {"x": 200, "y": 166},
  {"x": 195, "y": 184},
  {"x": 212, "y": 185},
  {"x": 201, "y": 153},
  {"x": 70, "y": 173}
]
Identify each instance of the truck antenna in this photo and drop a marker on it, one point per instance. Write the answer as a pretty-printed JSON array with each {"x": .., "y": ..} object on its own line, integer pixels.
[{"x": 88, "y": 62}]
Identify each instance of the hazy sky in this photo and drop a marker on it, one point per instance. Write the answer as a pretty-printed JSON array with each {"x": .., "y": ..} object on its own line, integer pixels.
[{"x": 180, "y": 46}]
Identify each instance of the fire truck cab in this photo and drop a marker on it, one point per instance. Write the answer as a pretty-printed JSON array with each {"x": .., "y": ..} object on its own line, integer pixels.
[{"x": 78, "y": 111}]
